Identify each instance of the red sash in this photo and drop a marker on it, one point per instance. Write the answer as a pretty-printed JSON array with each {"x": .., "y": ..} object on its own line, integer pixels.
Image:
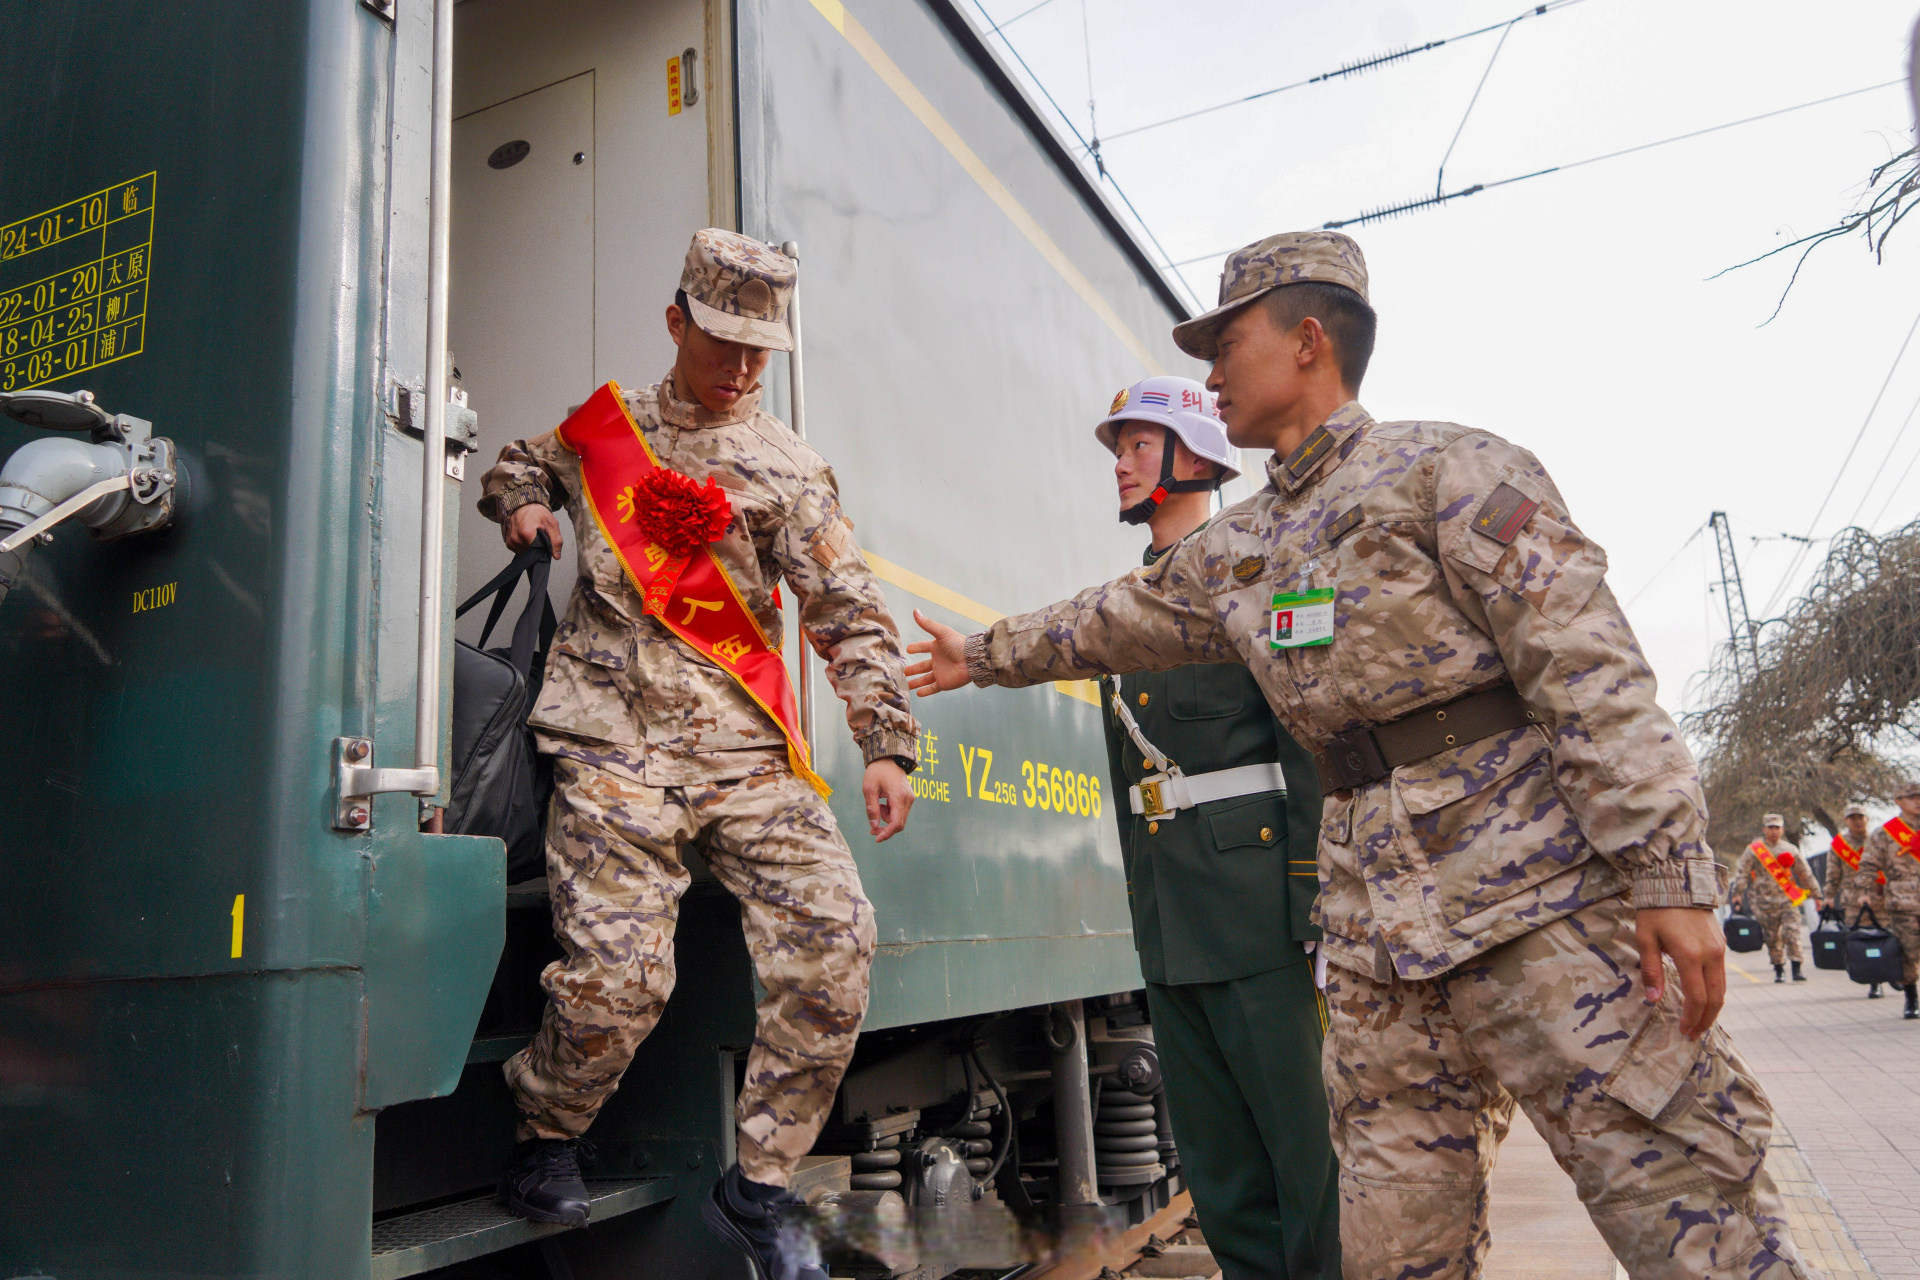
[
  {"x": 1846, "y": 852},
  {"x": 704, "y": 608},
  {"x": 1903, "y": 835},
  {"x": 1781, "y": 876}
]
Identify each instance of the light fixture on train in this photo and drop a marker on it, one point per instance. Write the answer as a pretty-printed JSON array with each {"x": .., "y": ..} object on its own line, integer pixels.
[{"x": 122, "y": 480}]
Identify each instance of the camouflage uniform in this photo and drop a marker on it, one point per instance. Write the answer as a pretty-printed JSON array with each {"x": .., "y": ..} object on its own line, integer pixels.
[
  {"x": 1896, "y": 901},
  {"x": 658, "y": 748},
  {"x": 1767, "y": 902},
  {"x": 1847, "y": 888},
  {"x": 1477, "y": 904}
]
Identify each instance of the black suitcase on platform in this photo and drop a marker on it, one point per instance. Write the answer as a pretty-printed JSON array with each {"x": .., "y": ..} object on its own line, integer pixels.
[
  {"x": 1829, "y": 938},
  {"x": 1873, "y": 953},
  {"x": 1743, "y": 933},
  {"x": 500, "y": 785}
]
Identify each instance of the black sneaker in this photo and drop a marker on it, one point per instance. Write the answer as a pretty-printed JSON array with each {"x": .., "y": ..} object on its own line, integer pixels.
[
  {"x": 1874, "y": 992},
  {"x": 1797, "y": 975},
  {"x": 1913, "y": 1002},
  {"x": 542, "y": 1182},
  {"x": 1779, "y": 973},
  {"x": 748, "y": 1216}
]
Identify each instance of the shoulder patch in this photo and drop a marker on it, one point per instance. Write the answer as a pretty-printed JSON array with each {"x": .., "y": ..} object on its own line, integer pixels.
[
  {"x": 830, "y": 545},
  {"x": 1249, "y": 569},
  {"x": 1345, "y": 525},
  {"x": 1309, "y": 454},
  {"x": 1506, "y": 513}
]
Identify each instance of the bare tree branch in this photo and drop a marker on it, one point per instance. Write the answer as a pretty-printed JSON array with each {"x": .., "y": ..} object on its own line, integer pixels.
[{"x": 1893, "y": 190}]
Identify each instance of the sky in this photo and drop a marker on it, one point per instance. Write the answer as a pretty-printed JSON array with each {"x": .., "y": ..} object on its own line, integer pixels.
[{"x": 1574, "y": 313}]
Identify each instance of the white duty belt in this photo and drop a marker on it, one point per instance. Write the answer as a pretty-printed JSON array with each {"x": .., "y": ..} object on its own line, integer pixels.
[{"x": 1164, "y": 794}]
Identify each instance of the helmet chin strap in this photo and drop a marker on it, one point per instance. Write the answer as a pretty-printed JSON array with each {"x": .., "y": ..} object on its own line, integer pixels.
[{"x": 1142, "y": 511}]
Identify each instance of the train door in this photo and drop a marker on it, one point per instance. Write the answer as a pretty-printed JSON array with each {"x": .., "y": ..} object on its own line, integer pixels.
[{"x": 582, "y": 141}]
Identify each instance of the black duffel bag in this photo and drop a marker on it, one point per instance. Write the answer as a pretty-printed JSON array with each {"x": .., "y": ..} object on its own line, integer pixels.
[
  {"x": 500, "y": 784},
  {"x": 1743, "y": 933},
  {"x": 1829, "y": 938},
  {"x": 1873, "y": 953}
]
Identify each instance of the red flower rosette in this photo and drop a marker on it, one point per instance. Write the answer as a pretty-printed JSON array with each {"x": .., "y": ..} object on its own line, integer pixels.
[
  {"x": 679, "y": 516},
  {"x": 1786, "y": 859}
]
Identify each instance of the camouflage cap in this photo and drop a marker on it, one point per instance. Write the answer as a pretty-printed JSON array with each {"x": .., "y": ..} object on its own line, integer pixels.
[
  {"x": 1854, "y": 811},
  {"x": 1911, "y": 789},
  {"x": 738, "y": 288},
  {"x": 1773, "y": 820},
  {"x": 1293, "y": 257}
]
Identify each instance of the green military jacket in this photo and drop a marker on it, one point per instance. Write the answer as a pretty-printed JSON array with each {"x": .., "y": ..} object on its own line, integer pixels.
[{"x": 1224, "y": 890}]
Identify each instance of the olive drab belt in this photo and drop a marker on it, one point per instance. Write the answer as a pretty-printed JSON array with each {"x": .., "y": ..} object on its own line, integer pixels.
[
  {"x": 1167, "y": 792},
  {"x": 1353, "y": 760}
]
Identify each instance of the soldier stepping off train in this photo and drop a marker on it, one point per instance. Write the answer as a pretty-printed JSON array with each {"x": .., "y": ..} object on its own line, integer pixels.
[
  {"x": 667, "y": 732},
  {"x": 1515, "y": 883}
]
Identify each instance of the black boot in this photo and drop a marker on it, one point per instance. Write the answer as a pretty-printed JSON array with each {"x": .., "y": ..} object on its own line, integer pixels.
[
  {"x": 1797, "y": 975},
  {"x": 1913, "y": 1001},
  {"x": 747, "y": 1215},
  {"x": 1874, "y": 992},
  {"x": 1779, "y": 973},
  {"x": 542, "y": 1182}
]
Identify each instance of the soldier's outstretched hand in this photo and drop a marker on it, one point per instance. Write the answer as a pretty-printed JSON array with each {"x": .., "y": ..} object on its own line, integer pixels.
[
  {"x": 1691, "y": 938},
  {"x": 946, "y": 664}
]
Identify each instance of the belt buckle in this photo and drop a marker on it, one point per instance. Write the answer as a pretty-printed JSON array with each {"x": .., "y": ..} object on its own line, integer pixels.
[
  {"x": 1151, "y": 804},
  {"x": 1356, "y": 759}
]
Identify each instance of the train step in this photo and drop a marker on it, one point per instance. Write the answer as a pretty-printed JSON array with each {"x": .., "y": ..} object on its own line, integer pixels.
[{"x": 417, "y": 1242}]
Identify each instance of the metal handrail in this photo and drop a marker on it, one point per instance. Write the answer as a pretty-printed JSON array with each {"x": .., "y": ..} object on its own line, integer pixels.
[
  {"x": 797, "y": 393},
  {"x": 433, "y": 435}
]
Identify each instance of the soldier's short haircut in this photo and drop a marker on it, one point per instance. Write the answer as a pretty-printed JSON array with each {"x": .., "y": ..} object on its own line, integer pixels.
[{"x": 1344, "y": 314}]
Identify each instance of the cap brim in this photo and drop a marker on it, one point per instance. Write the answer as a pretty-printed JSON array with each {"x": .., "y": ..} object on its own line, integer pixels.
[
  {"x": 1200, "y": 336},
  {"x": 769, "y": 335}
]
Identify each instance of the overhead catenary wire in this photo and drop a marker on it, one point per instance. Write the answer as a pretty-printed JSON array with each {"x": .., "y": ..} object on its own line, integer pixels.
[
  {"x": 1376, "y": 215},
  {"x": 1800, "y": 554},
  {"x": 1357, "y": 67},
  {"x": 1897, "y": 484},
  {"x": 1427, "y": 202},
  {"x": 1661, "y": 571},
  {"x": 1440, "y": 178},
  {"x": 1075, "y": 131},
  {"x": 1886, "y": 460},
  {"x": 1032, "y": 8}
]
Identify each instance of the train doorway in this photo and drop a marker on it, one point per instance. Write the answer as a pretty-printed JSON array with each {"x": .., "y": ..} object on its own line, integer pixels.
[{"x": 583, "y": 131}]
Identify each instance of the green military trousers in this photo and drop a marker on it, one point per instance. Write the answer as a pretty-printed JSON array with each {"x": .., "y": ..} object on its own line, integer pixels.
[{"x": 1242, "y": 1066}]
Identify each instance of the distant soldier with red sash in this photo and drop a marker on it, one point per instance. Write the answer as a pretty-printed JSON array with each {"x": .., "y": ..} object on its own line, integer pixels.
[
  {"x": 1773, "y": 880},
  {"x": 1846, "y": 888},
  {"x": 1891, "y": 868},
  {"x": 668, "y": 712}
]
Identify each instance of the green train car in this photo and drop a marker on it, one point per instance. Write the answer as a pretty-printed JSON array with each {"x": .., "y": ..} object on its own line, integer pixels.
[{"x": 251, "y": 1016}]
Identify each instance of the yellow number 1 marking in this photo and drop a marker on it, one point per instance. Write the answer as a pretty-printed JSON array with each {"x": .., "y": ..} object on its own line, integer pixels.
[{"x": 239, "y": 921}]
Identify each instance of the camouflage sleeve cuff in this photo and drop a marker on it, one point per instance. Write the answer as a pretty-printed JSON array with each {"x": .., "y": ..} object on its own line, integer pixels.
[
  {"x": 979, "y": 665},
  {"x": 888, "y": 745},
  {"x": 500, "y": 506},
  {"x": 1697, "y": 882}
]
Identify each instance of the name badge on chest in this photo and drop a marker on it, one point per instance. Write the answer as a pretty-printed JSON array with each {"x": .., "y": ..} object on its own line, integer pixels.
[{"x": 1301, "y": 619}]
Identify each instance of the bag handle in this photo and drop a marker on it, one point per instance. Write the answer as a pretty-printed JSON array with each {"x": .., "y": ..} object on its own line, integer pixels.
[
  {"x": 536, "y": 562},
  {"x": 1865, "y": 910}
]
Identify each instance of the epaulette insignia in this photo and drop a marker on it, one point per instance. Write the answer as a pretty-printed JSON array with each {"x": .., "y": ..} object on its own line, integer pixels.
[
  {"x": 1345, "y": 525},
  {"x": 1308, "y": 455},
  {"x": 1249, "y": 569},
  {"x": 1505, "y": 514}
]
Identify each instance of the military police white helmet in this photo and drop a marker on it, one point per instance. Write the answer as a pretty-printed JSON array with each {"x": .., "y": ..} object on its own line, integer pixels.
[{"x": 1182, "y": 406}]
